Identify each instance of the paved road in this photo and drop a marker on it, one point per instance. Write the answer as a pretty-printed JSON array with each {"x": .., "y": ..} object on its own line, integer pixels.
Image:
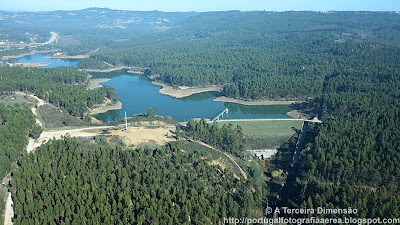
[
  {"x": 53, "y": 37},
  {"x": 242, "y": 120},
  {"x": 315, "y": 120}
]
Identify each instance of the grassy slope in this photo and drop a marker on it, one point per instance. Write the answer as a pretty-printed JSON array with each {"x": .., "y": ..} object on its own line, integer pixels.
[{"x": 266, "y": 129}]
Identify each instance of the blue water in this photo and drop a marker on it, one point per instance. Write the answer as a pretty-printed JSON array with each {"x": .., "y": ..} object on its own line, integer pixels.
[
  {"x": 39, "y": 57},
  {"x": 138, "y": 94}
]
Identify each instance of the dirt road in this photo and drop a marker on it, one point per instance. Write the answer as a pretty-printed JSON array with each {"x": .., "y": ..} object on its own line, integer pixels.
[
  {"x": 81, "y": 132},
  {"x": 227, "y": 155},
  {"x": 9, "y": 212},
  {"x": 34, "y": 109}
]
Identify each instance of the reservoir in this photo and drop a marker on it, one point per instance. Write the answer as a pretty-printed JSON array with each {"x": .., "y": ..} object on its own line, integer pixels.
[
  {"x": 40, "y": 57},
  {"x": 137, "y": 94}
]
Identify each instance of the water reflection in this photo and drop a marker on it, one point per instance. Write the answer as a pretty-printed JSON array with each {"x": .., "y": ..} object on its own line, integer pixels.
[
  {"x": 41, "y": 57},
  {"x": 137, "y": 94}
]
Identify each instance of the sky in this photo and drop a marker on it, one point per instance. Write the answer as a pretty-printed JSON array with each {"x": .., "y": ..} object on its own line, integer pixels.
[{"x": 203, "y": 5}]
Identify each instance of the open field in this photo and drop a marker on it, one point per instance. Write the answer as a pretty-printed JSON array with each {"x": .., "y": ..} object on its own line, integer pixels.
[
  {"x": 54, "y": 117},
  {"x": 20, "y": 99},
  {"x": 267, "y": 128}
]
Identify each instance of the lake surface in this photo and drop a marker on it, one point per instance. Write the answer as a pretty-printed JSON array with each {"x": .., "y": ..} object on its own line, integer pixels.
[
  {"x": 137, "y": 94},
  {"x": 39, "y": 57}
]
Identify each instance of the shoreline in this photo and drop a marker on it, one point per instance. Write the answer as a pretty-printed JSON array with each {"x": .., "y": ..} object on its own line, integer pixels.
[
  {"x": 95, "y": 83},
  {"x": 107, "y": 70},
  {"x": 296, "y": 114},
  {"x": 184, "y": 91},
  {"x": 31, "y": 64},
  {"x": 265, "y": 102},
  {"x": 105, "y": 108},
  {"x": 72, "y": 56},
  {"x": 67, "y": 57},
  {"x": 24, "y": 54}
]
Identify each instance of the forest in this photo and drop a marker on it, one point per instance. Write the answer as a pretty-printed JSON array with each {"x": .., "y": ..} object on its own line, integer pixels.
[
  {"x": 227, "y": 138},
  {"x": 15, "y": 122},
  {"x": 63, "y": 87},
  {"x": 71, "y": 182},
  {"x": 260, "y": 55},
  {"x": 352, "y": 159},
  {"x": 346, "y": 64}
]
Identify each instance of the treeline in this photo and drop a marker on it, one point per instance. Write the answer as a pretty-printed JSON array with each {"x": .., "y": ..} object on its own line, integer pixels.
[
  {"x": 261, "y": 55},
  {"x": 226, "y": 138},
  {"x": 15, "y": 122},
  {"x": 93, "y": 63},
  {"x": 69, "y": 182},
  {"x": 253, "y": 73},
  {"x": 62, "y": 86},
  {"x": 353, "y": 158}
]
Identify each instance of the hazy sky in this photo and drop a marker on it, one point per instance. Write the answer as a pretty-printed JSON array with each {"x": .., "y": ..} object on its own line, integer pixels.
[{"x": 203, "y": 5}]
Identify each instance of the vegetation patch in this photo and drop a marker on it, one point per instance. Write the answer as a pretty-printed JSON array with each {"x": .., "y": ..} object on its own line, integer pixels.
[
  {"x": 267, "y": 128},
  {"x": 54, "y": 117},
  {"x": 143, "y": 186}
]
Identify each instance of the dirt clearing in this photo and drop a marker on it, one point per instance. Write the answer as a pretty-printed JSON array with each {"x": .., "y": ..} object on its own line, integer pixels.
[
  {"x": 183, "y": 91},
  {"x": 136, "y": 136}
]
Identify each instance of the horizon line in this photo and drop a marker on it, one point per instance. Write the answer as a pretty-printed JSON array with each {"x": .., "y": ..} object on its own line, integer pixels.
[{"x": 156, "y": 10}]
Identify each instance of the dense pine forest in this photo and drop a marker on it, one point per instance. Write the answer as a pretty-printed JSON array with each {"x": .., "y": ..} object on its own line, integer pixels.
[
  {"x": 226, "y": 138},
  {"x": 15, "y": 122},
  {"x": 70, "y": 182},
  {"x": 352, "y": 159},
  {"x": 63, "y": 87},
  {"x": 346, "y": 64},
  {"x": 262, "y": 55}
]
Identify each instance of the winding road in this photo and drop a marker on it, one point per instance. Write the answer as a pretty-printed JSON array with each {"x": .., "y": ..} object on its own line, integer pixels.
[{"x": 79, "y": 132}]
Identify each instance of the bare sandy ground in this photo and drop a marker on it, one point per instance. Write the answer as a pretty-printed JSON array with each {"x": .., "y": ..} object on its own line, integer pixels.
[
  {"x": 131, "y": 69},
  {"x": 95, "y": 83},
  {"x": 106, "y": 106},
  {"x": 9, "y": 212},
  {"x": 139, "y": 135},
  {"x": 225, "y": 99},
  {"x": 73, "y": 56},
  {"x": 68, "y": 57},
  {"x": 108, "y": 70},
  {"x": 184, "y": 91},
  {"x": 81, "y": 132},
  {"x": 296, "y": 114},
  {"x": 95, "y": 121},
  {"x": 32, "y": 64},
  {"x": 23, "y": 54}
]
